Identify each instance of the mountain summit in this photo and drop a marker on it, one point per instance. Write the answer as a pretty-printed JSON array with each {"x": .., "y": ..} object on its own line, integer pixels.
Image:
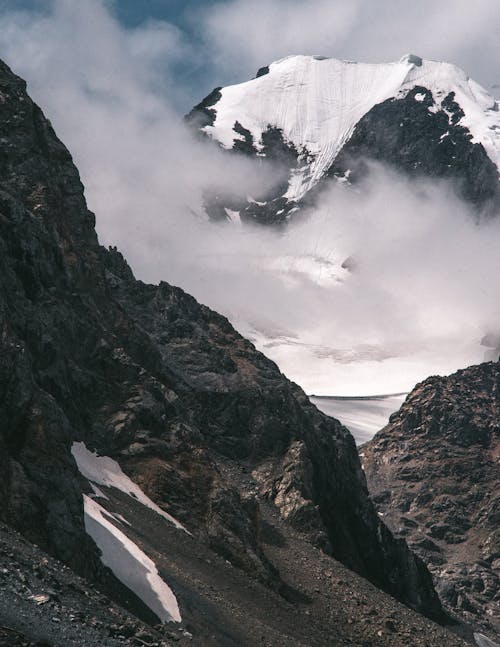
[{"x": 321, "y": 117}]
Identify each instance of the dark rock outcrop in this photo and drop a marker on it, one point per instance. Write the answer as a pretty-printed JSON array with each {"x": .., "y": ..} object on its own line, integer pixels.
[
  {"x": 268, "y": 206},
  {"x": 405, "y": 134},
  {"x": 203, "y": 114},
  {"x": 434, "y": 474},
  {"x": 166, "y": 386},
  {"x": 244, "y": 410},
  {"x": 262, "y": 71}
]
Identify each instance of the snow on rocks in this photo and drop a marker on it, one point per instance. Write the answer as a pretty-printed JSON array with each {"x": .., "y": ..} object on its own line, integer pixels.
[
  {"x": 102, "y": 470},
  {"x": 318, "y": 101},
  {"x": 119, "y": 553},
  {"x": 129, "y": 563},
  {"x": 484, "y": 641}
]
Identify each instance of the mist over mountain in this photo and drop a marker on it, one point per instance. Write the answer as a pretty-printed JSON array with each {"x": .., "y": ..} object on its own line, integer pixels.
[
  {"x": 387, "y": 209},
  {"x": 380, "y": 335},
  {"x": 320, "y": 118},
  {"x": 343, "y": 219}
]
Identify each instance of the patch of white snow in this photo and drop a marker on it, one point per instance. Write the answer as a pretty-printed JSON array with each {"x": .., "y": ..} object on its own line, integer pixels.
[
  {"x": 315, "y": 102},
  {"x": 102, "y": 470},
  {"x": 484, "y": 641},
  {"x": 129, "y": 563}
]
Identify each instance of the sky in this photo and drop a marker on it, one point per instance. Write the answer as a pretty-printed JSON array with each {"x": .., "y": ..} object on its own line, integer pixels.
[
  {"x": 226, "y": 41},
  {"x": 115, "y": 79},
  {"x": 237, "y": 37}
]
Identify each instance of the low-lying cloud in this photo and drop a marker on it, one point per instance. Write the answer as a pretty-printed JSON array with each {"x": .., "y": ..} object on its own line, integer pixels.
[{"x": 371, "y": 291}]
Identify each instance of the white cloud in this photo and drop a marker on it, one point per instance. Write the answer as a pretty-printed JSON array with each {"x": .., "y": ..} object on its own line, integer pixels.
[
  {"x": 418, "y": 301},
  {"x": 423, "y": 292},
  {"x": 242, "y": 36},
  {"x": 103, "y": 88}
]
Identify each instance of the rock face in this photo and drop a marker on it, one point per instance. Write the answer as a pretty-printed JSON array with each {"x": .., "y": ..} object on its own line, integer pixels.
[
  {"x": 434, "y": 474},
  {"x": 410, "y": 136},
  {"x": 147, "y": 375},
  {"x": 329, "y": 119}
]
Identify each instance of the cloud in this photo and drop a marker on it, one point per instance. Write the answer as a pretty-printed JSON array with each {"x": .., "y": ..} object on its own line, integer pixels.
[
  {"x": 242, "y": 36},
  {"x": 110, "y": 94},
  {"x": 418, "y": 300},
  {"x": 421, "y": 292}
]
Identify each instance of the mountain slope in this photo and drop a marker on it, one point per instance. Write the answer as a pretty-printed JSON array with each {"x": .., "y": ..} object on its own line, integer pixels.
[
  {"x": 304, "y": 112},
  {"x": 434, "y": 475},
  {"x": 145, "y": 375}
]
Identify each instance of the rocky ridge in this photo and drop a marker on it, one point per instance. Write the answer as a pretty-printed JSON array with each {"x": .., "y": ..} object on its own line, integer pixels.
[{"x": 434, "y": 475}]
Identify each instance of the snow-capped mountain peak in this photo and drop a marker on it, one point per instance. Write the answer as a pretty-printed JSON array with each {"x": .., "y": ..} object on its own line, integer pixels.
[{"x": 316, "y": 103}]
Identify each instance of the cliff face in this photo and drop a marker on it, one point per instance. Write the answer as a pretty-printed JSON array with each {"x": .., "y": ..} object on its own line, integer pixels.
[
  {"x": 434, "y": 475},
  {"x": 411, "y": 136},
  {"x": 148, "y": 376}
]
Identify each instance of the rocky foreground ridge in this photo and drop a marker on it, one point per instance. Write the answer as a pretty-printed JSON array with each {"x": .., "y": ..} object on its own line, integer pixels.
[
  {"x": 207, "y": 426},
  {"x": 434, "y": 475}
]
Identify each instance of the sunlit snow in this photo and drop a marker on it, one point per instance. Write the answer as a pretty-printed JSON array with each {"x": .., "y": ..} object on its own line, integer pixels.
[
  {"x": 129, "y": 563},
  {"x": 102, "y": 470},
  {"x": 318, "y": 101}
]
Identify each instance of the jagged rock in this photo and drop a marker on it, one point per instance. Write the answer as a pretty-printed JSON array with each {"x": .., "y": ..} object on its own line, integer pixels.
[
  {"x": 202, "y": 114},
  {"x": 406, "y": 135},
  {"x": 253, "y": 415},
  {"x": 448, "y": 433}
]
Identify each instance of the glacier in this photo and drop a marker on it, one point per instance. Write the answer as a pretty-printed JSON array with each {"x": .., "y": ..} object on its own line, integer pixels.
[{"x": 318, "y": 101}]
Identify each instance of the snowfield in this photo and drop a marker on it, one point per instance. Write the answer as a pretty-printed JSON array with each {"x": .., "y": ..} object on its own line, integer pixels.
[
  {"x": 102, "y": 470},
  {"x": 129, "y": 563},
  {"x": 363, "y": 416},
  {"x": 317, "y": 102}
]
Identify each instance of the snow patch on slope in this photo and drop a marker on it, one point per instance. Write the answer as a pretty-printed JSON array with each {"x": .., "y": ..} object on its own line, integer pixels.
[
  {"x": 102, "y": 470},
  {"x": 317, "y": 102},
  {"x": 484, "y": 641},
  {"x": 129, "y": 563}
]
